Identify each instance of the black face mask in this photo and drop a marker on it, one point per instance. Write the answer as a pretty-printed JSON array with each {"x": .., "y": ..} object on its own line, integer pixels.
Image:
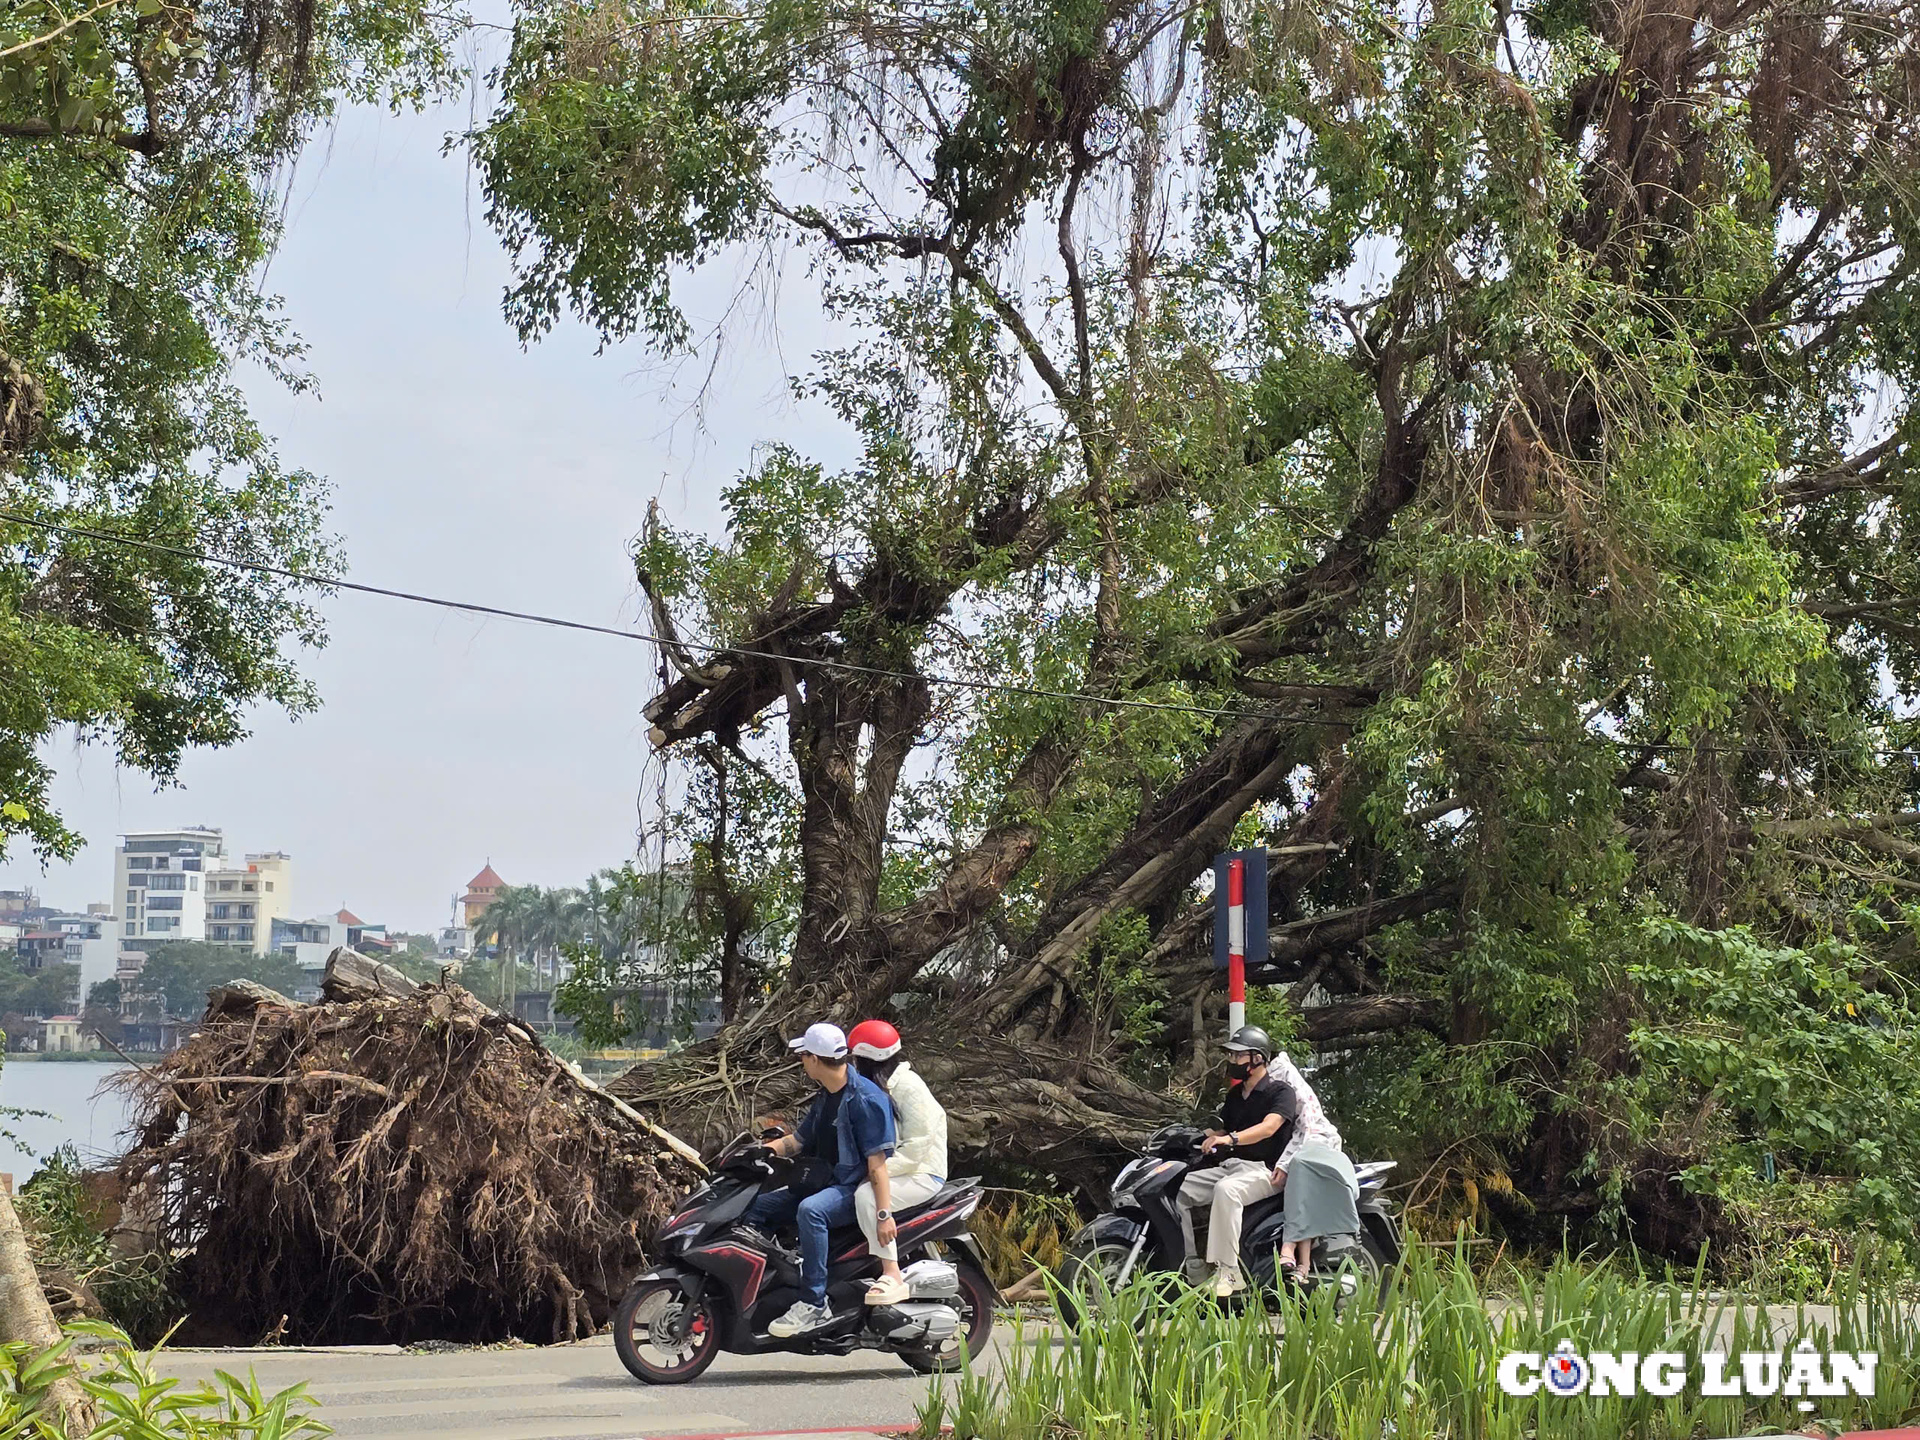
[{"x": 1239, "y": 1070}]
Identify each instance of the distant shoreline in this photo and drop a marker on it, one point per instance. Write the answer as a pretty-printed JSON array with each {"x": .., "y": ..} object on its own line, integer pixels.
[{"x": 81, "y": 1057}]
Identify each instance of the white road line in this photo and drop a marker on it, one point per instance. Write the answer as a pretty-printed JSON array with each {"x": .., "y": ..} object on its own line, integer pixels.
[
  {"x": 506, "y": 1406},
  {"x": 335, "y": 1385},
  {"x": 608, "y": 1425}
]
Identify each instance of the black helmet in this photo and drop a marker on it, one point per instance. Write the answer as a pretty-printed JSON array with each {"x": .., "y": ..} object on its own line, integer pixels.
[{"x": 1251, "y": 1037}]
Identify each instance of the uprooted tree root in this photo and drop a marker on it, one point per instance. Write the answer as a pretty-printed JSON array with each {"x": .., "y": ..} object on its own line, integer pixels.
[
  {"x": 394, "y": 1169},
  {"x": 1014, "y": 1111}
]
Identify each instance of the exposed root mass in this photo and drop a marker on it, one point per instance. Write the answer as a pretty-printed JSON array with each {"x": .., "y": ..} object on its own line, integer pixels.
[{"x": 393, "y": 1168}]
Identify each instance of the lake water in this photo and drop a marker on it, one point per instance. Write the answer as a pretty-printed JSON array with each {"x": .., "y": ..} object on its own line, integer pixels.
[{"x": 83, "y": 1112}]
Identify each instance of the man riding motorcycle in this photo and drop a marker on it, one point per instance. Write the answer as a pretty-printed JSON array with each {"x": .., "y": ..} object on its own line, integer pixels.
[
  {"x": 858, "y": 1115},
  {"x": 1257, "y": 1108}
]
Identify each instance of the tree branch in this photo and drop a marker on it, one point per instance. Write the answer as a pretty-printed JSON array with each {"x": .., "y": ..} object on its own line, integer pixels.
[
  {"x": 143, "y": 142},
  {"x": 1369, "y": 1014}
]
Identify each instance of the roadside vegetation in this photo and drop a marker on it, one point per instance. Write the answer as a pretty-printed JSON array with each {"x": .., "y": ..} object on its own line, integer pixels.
[
  {"x": 1157, "y": 1362},
  {"x": 130, "y": 1400},
  {"x": 84, "y": 1274}
]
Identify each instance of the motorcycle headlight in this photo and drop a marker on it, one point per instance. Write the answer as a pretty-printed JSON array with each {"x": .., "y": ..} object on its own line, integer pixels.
[{"x": 678, "y": 1229}]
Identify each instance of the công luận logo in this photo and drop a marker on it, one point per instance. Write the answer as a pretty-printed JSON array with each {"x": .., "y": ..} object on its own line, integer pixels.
[{"x": 1803, "y": 1373}]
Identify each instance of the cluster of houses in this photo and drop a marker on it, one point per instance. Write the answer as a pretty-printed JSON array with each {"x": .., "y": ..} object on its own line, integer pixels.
[{"x": 181, "y": 885}]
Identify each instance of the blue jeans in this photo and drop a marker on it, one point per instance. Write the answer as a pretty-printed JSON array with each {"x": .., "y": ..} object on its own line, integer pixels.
[
  {"x": 819, "y": 1213},
  {"x": 771, "y": 1210},
  {"x": 814, "y": 1216}
]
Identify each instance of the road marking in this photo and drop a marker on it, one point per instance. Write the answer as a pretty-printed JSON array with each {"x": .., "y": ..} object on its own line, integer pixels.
[
  {"x": 616, "y": 1427},
  {"x": 507, "y": 1405},
  {"x": 337, "y": 1385}
]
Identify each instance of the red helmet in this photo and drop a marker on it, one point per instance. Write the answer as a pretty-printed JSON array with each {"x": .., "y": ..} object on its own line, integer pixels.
[{"x": 875, "y": 1039}]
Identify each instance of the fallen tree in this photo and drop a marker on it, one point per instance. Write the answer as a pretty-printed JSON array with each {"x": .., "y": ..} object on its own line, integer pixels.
[
  {"x": 393, "y": 1164},
  {"x": 1521, "y": 594}
]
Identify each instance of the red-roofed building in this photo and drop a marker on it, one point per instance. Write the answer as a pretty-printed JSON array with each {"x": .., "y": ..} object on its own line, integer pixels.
[{"x": 481, "y": 891}]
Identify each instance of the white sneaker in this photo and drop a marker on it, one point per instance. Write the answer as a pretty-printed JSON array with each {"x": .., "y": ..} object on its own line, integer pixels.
[
  {"x": 800, "y": 1318},
  {"x": 887, "y": 1290},
  {"x": 1227, "y": 1283}
]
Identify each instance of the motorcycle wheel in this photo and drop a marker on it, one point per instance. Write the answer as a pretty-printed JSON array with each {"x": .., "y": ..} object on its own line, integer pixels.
[
  {"x": 976, "y": 1324},
  {"x": 663, "y": 1335},
  {"x": 1087, "y": 1276}
]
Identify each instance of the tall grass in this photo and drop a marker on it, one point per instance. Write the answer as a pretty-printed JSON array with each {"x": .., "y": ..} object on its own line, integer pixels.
[{"x": 1161, "y": 1362}]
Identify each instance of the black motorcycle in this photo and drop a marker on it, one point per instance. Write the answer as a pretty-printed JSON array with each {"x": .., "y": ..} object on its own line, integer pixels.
[
  {"x": 1141, "y": 1233},
  {"x": 717, "y": 1285}
]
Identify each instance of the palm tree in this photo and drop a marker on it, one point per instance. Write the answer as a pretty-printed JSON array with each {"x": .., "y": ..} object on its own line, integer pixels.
[
  {"x": 556, "y": 919},
  {"x": 508, "y": 922}
]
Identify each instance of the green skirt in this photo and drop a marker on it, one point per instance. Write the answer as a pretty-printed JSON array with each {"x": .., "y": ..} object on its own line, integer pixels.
[{"x": 1322, "y": 1194}]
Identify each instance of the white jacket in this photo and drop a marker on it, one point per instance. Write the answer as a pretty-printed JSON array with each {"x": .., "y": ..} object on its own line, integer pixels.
[
  {"x": 920, "y": 1127},
  {"x": 1310, "y": 1122}
]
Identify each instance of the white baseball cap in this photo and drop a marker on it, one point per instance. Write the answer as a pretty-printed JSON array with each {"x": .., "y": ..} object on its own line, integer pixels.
[{"x": 827, "y": 1041}]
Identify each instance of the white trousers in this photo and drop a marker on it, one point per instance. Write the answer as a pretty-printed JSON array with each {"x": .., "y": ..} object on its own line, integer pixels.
[
  {"x": 1228, "y": 1189},
  {"x": 902, "y": 1191}
]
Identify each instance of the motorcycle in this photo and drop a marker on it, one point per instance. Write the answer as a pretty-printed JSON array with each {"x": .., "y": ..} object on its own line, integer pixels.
[
  {"x": 717, "y": 1284},
  {"x": 1141, "y": 1233}
]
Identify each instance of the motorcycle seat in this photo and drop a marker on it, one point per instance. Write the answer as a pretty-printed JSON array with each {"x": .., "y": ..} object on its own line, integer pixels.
[
  {"x": 945, "y": 1195},
  {"x": 847, "y": 1240}
]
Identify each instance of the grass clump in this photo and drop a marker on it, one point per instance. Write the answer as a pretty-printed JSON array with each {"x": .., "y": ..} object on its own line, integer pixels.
[{"x": 1418, "y": 1358}]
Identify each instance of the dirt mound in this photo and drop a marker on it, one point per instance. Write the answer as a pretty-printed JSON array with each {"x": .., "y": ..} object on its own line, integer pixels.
[{"x": 393, "y": 1164}]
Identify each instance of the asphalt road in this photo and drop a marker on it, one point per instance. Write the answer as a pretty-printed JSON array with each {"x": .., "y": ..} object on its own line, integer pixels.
[
  {"x": 573, "y": 1392},
  {"x": 581, "y": 1392}
]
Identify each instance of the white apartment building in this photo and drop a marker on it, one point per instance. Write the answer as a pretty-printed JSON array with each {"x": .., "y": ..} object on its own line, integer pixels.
[
  {"x": 243, "y": 901},
  {"x": 308, "y": 943},
  {"x": 178, "y": 885},
  {"x": 159, "y": 884}
]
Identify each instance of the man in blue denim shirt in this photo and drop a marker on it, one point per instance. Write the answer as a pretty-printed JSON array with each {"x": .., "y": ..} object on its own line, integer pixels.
[{"x": 863, "y": 1126}]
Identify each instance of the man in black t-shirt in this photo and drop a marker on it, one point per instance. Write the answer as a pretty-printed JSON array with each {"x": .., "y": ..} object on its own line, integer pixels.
[{"x": 1254, "y": 1121}]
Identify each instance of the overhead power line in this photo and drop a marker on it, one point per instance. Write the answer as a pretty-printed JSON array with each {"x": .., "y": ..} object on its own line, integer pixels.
[{"x": 1002, "y": 687}]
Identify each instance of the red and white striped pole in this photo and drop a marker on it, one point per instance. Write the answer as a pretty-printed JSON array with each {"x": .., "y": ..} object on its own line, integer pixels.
[{"x": 1236, "y": 945}]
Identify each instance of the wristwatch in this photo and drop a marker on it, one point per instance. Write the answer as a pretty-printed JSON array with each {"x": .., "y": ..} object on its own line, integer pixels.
[
  {"x": 1233, "y": 1138},
  {"x": 883, "y": 1214}
]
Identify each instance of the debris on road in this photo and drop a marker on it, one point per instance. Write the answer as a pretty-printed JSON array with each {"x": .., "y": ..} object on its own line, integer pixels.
[{"x": 393, "y": 1164}]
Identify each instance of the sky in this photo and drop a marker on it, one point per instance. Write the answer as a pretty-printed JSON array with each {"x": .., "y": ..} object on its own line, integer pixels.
[{"x": 465, "y": 467}]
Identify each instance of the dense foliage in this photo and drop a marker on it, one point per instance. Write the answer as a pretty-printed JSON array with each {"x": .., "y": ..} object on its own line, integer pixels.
[
  {"x": 141, "y": 147},
  {"x": 177, "y": 975},
  {"x": 1463, "y": 447},
  {"x": 48, "y": 990},
  {"x": 625, "y": 953}
]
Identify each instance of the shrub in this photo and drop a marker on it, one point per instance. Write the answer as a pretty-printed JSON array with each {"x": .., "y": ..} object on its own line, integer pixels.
[
  {"x": 133, "y": 1401},
  {"x": 132, "y": 1289}
]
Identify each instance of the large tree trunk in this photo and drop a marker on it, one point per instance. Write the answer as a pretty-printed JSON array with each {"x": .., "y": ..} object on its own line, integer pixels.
[
  {"x": 845, "y": 799},
  {"x": 27, "y": 1318}
]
